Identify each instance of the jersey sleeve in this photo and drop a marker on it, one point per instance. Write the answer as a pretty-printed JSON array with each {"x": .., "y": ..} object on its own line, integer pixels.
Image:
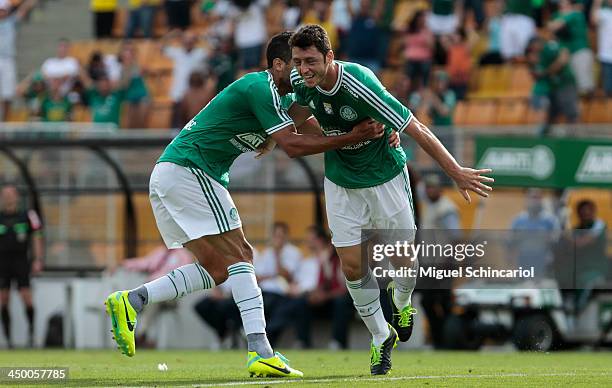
[
  {"x": 297, "y": 83},
  {"x": 265, "y": 103},
  {"x": 380, "y": 104}
]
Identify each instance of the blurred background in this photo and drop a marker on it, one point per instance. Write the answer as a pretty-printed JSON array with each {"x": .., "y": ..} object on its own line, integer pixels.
[{"x": 92, "y": 91}]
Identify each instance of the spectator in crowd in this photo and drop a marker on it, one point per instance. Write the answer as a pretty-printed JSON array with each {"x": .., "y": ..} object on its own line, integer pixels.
[
  {"x": 178, "y": 13},
  {"x": 250, "y": 32},
  {"x": 439, "y": 224},
  {"x": 62, "y": 66},
  {"x": 276, "y": 268},
  {"x": 187, "y": 59},
  {"x": 20, "y": 241},
  {"x": 96, "y": 67},
  {"x": 222, "y": 65},
  {"x": 419, "y": 44},
  {"x": 459, "y": 59},
  {"x": 365, "y": 34},
  {"x": 104, "y": 17},
  {"x": 554, "y": 89},
  {"x": 581, "y": 259},
  {"x": 105, "y": 97},
  {"x": 156, "y": 263},
  {"x": 444, "y": 16},
  {"x": 493, "y": 26},
  {"x": 320, "y": 12},
  {"x": 438, "y": 103},
  {"x": 201, "y": 90},
  {"x": 8, "y": 34},
  {"x": 33, "y": 89},
  {"x": 318, "y": 291},
  {"x": 477, "y": 8},
  {"x": 136, "y": 94},
  {"x": 534, "y": 231},
  {"x": 55, "y": 107},
  {"x": 590, "y": 239},
  {"x": 601, "y": 16},
  {"x": 570, "y": 27},
  {"x": 517, "y": 28},
  {"x": 141, "y": 15}
]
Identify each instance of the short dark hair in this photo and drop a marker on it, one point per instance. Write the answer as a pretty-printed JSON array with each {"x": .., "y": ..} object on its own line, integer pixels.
[
  {"x": 584, "y": 203},
  {"x": 278, "y": 47},
  {"x": 281, "y": 225},
  {"x": 319, "y": 233},
  {"x": 311, "y": 35}
]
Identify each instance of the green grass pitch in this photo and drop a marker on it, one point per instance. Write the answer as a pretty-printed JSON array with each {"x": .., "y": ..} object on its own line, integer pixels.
[{"x": 322, "y": 368}]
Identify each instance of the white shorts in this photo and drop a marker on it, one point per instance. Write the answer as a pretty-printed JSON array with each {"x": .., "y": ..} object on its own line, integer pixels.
[
  {"x": 581, "y": 63},
  {"x": 8, "y": 78},
  {"x": 387, "y": 206},
  {"x": 189, "y": 204}
]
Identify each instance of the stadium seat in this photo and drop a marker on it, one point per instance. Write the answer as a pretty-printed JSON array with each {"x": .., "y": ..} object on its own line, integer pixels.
[
  {"x": 511, "y": 111},
  {"x": 598, "y": 111},
  {"x": 161, "y": 115},
  {"x": 461, "y": 113},
  {"x": 81, "y": 114},
  {"x": 521, "y": 81},
  {"x": 481, "y": 112}
]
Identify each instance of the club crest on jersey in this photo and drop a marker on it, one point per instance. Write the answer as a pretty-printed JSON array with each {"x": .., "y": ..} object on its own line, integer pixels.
[
  {"x": 348, "y": 113},
  {"x": 328, "y": 108}
]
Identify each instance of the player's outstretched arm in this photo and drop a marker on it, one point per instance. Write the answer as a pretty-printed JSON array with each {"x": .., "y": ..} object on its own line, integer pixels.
[
  {"x": 467, "y": 179},
  {"x": 296, "y": 144}
]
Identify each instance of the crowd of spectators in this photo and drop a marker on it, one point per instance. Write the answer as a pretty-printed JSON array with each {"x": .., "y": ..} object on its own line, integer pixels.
[{"x": 436, "y": 43}]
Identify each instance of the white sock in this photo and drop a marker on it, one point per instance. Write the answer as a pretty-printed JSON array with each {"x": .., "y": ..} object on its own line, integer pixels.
[
  {"x": 247, "y": 296},
  {"x": 366, "y": 298},
  {"x": 178, "y": 283},
  {"x": 404, "y": 286}
]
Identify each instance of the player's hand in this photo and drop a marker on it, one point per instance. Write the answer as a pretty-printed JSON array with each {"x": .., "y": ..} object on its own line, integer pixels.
[
  {"x": 37, "y": 266},
  {"x": 468, "y": 179},
  {"x": 265, "y": 147},
  {"x": 394, "y": 139},
  {"x": 368, "y": 129}
]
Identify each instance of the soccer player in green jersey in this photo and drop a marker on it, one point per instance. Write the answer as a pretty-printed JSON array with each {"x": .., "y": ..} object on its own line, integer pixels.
[
  {"x": 193, "y": 209},
  {"x": 366, "y": 184}
]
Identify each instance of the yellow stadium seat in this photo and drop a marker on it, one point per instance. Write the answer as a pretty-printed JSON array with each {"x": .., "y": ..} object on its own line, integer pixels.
[
  {"x": 481, "y": 112},
  {"x": 160, "y": 116},
  {"x": 598, "y": 111},
  {"x": 512, "y": 112},
  {"x": 521, "y": 81},
  {"x": 461, "y": 113}
]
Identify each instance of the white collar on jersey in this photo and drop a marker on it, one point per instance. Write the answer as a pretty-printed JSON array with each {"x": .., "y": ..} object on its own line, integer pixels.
[{"x": 336, "y": 87}]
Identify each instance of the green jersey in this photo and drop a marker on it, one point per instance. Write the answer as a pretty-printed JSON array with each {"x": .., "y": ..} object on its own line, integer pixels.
[
  {"x": 356, "y": 96},
  {"x": 237, "y": 120},
  {"x": 574, "y": 35}
]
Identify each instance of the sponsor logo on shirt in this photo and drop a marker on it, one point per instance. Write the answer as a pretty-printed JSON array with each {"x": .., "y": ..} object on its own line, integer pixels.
[
  {"x": 247, "y": 142},
  {"x": 312, "y": 105}
]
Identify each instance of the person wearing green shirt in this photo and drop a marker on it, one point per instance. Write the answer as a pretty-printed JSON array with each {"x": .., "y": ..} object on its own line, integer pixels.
[
  {"x": 55, "y": 107},
  {"x": 366, "y": 184},
  {"x": 193, "y": 208},
  {"x": 571, "y": 28},
  {"x": 555, "y": 84},
  {"x": 105, "y": 101}
]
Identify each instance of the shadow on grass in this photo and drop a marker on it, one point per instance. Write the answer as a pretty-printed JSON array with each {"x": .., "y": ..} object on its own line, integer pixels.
[{"x": 86, "y": 382}]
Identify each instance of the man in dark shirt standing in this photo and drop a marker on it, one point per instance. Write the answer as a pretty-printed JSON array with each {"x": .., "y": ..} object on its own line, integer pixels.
[{"x": 17, "y": 230}]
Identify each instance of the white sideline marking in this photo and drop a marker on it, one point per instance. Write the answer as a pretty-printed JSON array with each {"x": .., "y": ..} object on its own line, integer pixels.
[{"x": 390, "y": 378}]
